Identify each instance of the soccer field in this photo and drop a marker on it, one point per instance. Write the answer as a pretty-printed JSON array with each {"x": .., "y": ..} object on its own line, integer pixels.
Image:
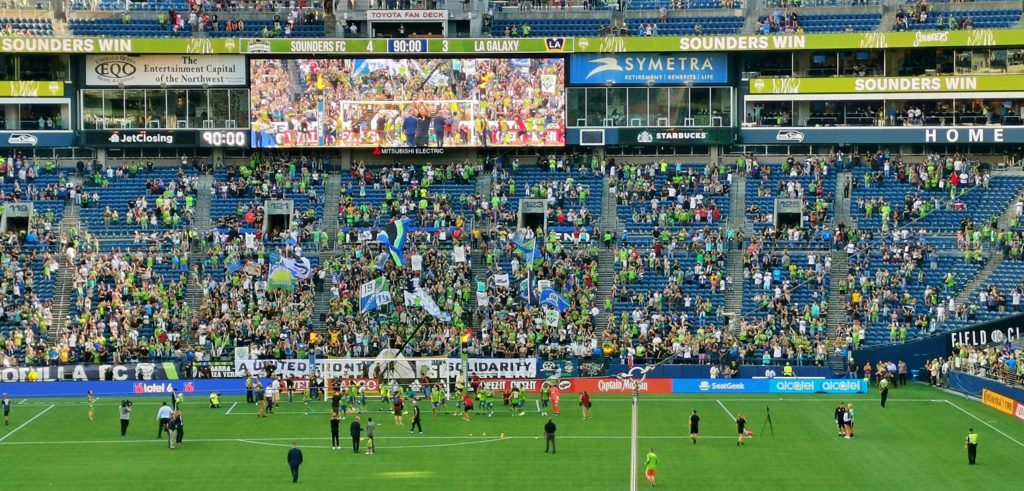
[{"x": 914, "y": 443}]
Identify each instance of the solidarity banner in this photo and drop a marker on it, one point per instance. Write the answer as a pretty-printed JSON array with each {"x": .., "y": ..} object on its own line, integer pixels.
[{"x": 402, "y": 368}]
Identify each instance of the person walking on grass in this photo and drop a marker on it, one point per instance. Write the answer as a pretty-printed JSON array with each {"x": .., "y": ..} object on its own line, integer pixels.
[
  {"x": 125, "y": 411},
  {"x": 90, "y": 399},
  {"x": 652, "y": 466},
  {"x": 163, "y": 417},
  {"x": 173, "y": 423},
  {"x": 585, "y": 404},
  {"x": 399, "y": 409},
  {"x": 294, "y": 461},
  {"x": 335, "y": 431},
  {"x": 356, "y": 430},
  {"x": 741, "y": 427},
  {"x": 971, "y": 444},
  {"x": 467, "y": 406},
  {"x": 371, "y": 432},
  {"x": 6, "y": 403},
  {"x": 694, "y": 426},
  {"x": 549, "y": 436},
  {"x": 416, "y": 418}
]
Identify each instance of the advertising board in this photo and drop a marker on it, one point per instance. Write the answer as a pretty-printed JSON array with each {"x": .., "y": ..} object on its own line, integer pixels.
[
  {"x": 649, "y": 68},
  {"x": 164, "y": 70},
  {"x": 887, "y": 85}
]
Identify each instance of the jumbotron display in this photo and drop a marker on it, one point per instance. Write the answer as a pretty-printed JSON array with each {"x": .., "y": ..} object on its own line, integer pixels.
[{"x": 451, "y": 102}]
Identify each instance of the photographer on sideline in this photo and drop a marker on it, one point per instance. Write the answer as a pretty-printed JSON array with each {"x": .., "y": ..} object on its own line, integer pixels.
[{"x": 126, "y": 414}]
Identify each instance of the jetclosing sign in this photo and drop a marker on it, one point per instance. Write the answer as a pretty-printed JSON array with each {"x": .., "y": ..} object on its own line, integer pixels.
[
  {"x": 645, "y": 68},
  {"x": 165, "y": 70},
  {"x": 886, "y": 85}
]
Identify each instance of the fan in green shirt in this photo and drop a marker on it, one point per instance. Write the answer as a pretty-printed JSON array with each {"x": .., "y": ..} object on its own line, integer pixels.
[{"x": 652, "y": 465}]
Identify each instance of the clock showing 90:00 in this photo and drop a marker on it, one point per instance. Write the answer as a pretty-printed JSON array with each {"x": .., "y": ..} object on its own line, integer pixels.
[{"x": 224, "y": 138}]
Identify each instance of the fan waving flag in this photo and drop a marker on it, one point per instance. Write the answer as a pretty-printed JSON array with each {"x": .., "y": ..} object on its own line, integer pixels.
[
  {"x": 393, "y": 236},
  {"x": 531, "y": 254},
  {"x": 550, "y": 298}
]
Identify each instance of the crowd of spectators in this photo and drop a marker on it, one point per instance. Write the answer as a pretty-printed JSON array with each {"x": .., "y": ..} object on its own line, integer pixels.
[
  {"x": 438, "y": 102},
  {"x": 407, "y": 193},
  {"x": 264, "y": 177},
  {"x": 24, "y": 315},
  {"x": 920, "y": 13},
  {"x": 432, "y": 266},
  {"x": 685, "y": 195},
  {"x": 1004, "y": 363},
  {"x": 239, "y": 309},
  {"x": 512, "y": 323},
  {"x": 127, "y": 306}
]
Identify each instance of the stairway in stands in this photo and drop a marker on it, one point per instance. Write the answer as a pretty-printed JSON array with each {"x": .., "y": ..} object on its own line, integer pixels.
[
  {"x": 64, "y": 283},
  {"x": 734, "y": 258},
  {"x": 608, "y": 220},
  {"x": 329, "y": 223},
  {"x": 202, "y": 223}
]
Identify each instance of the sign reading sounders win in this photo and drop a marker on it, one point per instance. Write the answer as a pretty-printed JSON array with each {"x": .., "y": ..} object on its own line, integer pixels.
[
  {"x": 886, "y": 85},
  {"x": 610, "y": 44}
]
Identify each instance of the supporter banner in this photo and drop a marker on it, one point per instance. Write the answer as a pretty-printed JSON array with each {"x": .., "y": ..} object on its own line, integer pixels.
[
  {"x": 615, "y": 385},
  {"x": 377, "y": 46},
  {"x": 517, "y": 368},
  {"x": 894, "y": 135},
  {"x": 83, "y": 371},
  {"x": 561, "y": 368},
  {"x": 756, "y": 42},
  {"x": 198, "y": 387},
  {"x": 648, "y": 68},
  {"x": 37, "y": 139},
  {"x": 141, "y": 138},
  {"x": 165, "y": 70},
  {"x": 1001, "y": 403},
  {"x": 30, "y": 88},
  {"x": 997, "y": 331},
  {"x": 683, "y": 135},
  {"x": 885, "y": 85}
]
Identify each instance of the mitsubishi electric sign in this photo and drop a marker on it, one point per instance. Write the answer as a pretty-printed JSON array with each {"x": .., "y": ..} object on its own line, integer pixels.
[
  {"x": 649, "y": 68},
  {"x": 165, "y": 70}
]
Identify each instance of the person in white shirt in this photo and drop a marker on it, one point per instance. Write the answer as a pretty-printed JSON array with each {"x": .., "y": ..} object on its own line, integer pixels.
[
  {"x": 769, "y": 373},
  {"x": 163, "y": 416}
]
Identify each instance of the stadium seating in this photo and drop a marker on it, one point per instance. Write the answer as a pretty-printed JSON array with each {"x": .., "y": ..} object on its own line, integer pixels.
[
  {"x": 711, "y": 25},
  {"x": 15, "y": 26},
  {"x": 151, "y": 28}
]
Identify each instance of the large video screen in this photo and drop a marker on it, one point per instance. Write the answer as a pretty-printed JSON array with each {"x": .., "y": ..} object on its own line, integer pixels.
[{"x": 451, "y": 102}]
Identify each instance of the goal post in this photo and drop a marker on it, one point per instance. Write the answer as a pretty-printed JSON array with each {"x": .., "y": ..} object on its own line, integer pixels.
[{"x": 380, "y": 123}]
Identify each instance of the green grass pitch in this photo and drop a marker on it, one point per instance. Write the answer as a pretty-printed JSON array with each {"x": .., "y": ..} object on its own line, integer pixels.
[{"x": 915, "y": 443}]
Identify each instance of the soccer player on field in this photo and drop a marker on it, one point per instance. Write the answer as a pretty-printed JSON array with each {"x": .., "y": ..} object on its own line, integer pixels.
[
  {"x": 385, "y": 397},
  {"x": 467, "y": 406},
  {"x": 652, "y": 466},
  {"x": 488, "y": 402},
  {"x": 554, "y": 393},
  {"x": 353, "y": 396},
  {"x": 544, "y": 398},
  {"x": 435, "y": 399},
  {"x": 741, "y": 425},
  {"x": 90, "y": 399},
  {"x": 517, "y": 401}
]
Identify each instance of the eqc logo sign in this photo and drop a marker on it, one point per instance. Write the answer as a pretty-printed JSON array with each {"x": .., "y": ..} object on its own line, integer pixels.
[{"x": 115, "y": 68}]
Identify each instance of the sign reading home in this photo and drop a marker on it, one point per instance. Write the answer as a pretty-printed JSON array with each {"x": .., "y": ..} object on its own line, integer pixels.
[{"x": 165, "y": 70}]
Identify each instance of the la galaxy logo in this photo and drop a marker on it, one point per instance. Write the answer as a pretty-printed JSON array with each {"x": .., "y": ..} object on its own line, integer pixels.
[{"x": 554, "y": 44}]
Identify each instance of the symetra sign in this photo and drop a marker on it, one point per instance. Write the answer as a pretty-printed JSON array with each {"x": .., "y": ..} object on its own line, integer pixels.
[{"x": 649, "y": 68}]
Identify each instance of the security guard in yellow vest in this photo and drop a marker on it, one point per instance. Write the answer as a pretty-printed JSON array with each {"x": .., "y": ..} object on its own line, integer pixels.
[{"x": 972, "y": 446}]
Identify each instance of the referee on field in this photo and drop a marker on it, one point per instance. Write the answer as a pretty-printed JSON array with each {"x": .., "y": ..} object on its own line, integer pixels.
[{"x": 694, "y": 426}]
